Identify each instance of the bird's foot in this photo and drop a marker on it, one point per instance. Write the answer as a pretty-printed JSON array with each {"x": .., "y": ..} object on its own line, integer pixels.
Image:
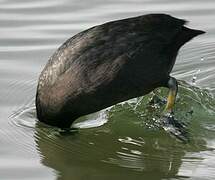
[{"x": 171, "y": 125}]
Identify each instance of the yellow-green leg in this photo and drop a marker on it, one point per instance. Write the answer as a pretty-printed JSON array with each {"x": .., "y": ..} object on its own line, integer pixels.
[
  {"x": 170, "y": 124},
  {"x": 173, "y": 89}
]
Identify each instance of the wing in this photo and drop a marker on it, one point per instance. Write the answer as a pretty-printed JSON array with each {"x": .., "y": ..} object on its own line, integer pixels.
[{"x": 109, "y": 41}]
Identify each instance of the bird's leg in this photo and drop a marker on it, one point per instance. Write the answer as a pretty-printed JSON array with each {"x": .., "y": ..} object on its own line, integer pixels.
[
  {"x": 172, "y": 84},
  {"x": 170, "y": 124}
]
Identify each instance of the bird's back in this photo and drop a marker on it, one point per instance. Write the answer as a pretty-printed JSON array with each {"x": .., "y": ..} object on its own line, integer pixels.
[{"x": 109, "y": 41}]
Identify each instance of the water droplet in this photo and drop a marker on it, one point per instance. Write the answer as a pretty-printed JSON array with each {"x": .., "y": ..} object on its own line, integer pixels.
[{"x": 194, "y": 78}]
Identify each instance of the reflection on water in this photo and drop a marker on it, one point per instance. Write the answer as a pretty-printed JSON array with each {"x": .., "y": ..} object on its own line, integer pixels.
[
  {"x": 125, "y": 141},
  {"x": 77, "y": 156}
]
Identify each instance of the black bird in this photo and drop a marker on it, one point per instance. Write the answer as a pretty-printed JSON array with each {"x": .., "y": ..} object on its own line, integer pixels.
[{"x": 108, "y": 64}]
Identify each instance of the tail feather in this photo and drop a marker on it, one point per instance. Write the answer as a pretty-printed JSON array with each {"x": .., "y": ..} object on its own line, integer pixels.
[
  {"x": 191, "y": 33},
  {"x": 185, "y": 35}
]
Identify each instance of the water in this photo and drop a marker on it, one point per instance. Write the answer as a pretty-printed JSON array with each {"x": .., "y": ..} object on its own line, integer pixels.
[{"x": 124, "y": 141}]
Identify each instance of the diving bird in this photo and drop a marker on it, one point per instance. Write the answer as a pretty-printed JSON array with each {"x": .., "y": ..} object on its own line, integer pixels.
[{"x": 108, "y": 64}]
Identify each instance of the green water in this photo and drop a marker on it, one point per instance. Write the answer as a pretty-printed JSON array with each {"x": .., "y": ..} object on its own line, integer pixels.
[{"x": 131, "y": 143}]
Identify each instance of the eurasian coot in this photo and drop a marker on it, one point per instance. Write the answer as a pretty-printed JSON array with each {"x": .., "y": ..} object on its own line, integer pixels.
[{"x": 108, "y": 64}]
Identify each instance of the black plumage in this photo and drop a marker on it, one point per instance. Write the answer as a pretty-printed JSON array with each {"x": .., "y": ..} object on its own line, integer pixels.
[{"x": 108, "y": 64}]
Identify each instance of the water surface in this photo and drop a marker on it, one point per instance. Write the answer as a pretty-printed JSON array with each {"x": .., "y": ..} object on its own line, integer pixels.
[{"x": 124, "y": 141}]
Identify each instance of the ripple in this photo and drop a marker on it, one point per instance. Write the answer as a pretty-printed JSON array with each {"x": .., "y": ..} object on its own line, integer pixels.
[
  {"x": 129, "y": 140},
  {"x": 25, "y": 117},
  {"x": 95, "y": 120},
  {"x": 27, "y": 5},
  {"x": 26, "y": 48},
  {"x": 190, "y": 64},
  {"x": 125, "y": 141}
]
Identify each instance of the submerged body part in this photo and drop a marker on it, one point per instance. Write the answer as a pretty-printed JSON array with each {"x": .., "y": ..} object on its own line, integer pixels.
[{"x": 108, "y": 64}]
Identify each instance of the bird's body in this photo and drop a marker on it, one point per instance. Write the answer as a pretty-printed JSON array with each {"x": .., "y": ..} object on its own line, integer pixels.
[{"x": 108, "y": 64}]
